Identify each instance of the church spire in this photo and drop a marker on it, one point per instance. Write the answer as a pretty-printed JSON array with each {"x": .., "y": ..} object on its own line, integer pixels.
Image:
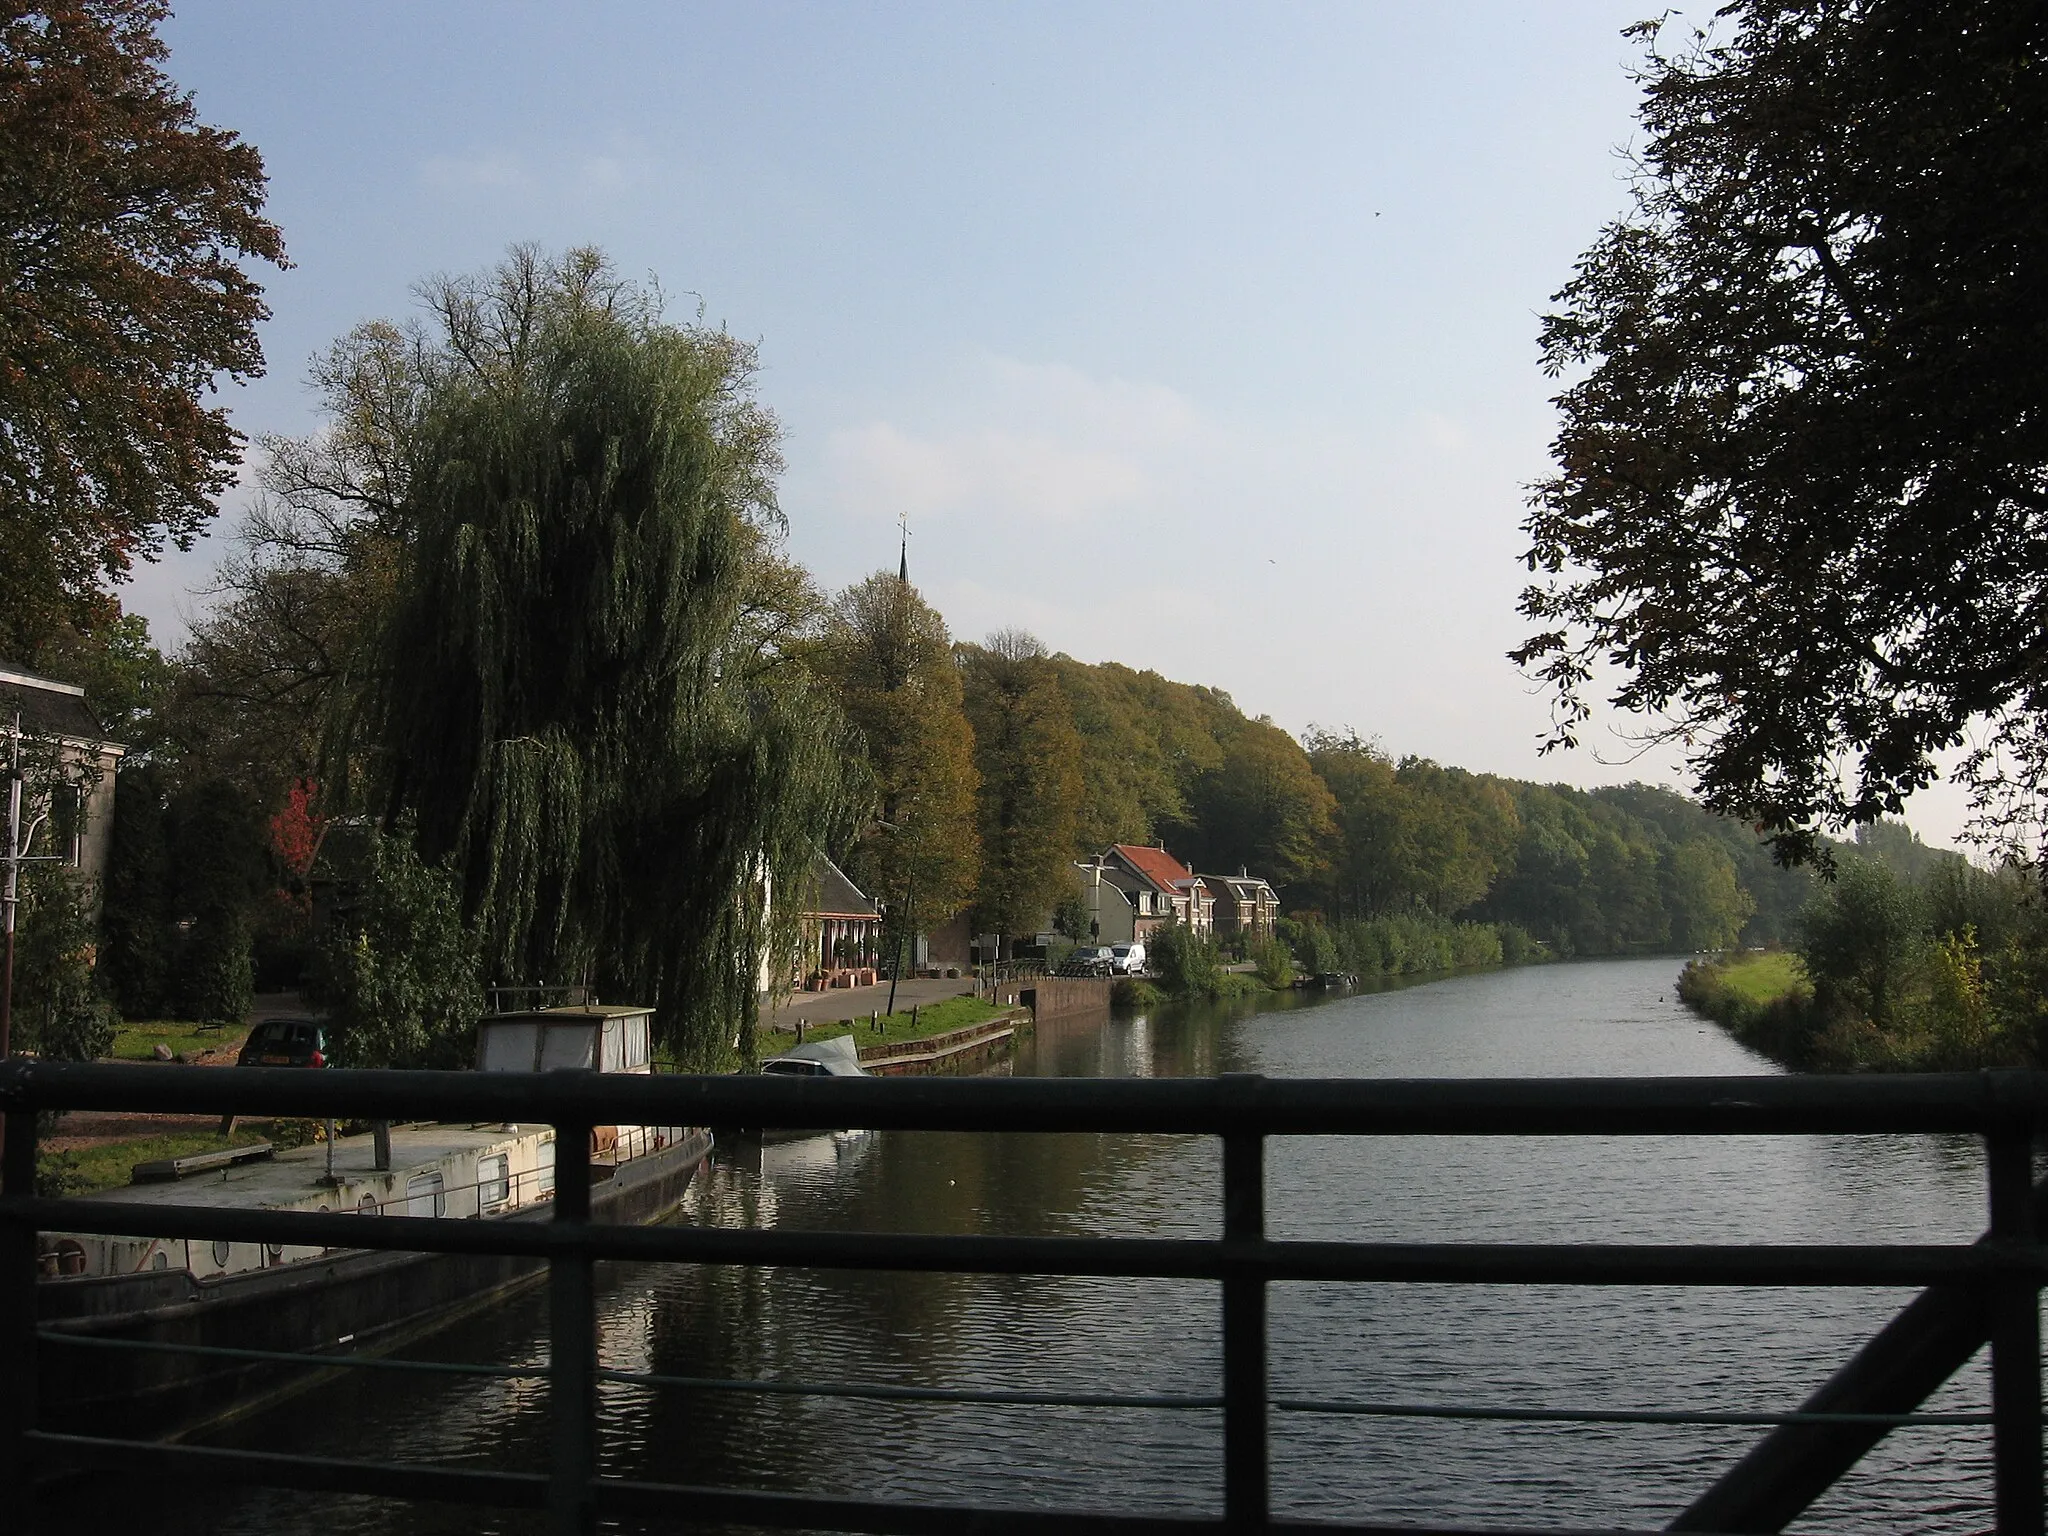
[{"x": 903, "y": 560}]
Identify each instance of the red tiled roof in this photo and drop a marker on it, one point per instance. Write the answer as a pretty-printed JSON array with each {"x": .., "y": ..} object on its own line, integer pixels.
[{"x": 1156, "y": 865}]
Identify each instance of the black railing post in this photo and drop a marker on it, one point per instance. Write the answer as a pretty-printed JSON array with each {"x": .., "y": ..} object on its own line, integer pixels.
[
  {"x": 572, "y": 1345},
  {"x": 2015, "y": 1340},
  {"x": 17, "y": 1325},
  {"x": 1244, "y": 1339}
]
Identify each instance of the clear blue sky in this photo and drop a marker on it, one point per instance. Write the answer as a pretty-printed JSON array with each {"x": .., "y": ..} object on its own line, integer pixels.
[{"x": 1200, "y": 338}]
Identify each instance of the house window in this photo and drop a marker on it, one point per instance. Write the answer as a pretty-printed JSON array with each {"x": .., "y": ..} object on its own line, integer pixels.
[
  {"x": 426, "y": 1195},
  {"x": 493, "y": 1181},
  {"x": 547, "y": 1167}
]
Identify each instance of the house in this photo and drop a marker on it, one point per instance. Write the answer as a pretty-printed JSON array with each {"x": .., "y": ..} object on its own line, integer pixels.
[
  {"x": 1246, "y": 906},
  {"x": 82, "y": 818},
  {"x": 842, "y": 932},
  {"x": 1155, "y": 889}
]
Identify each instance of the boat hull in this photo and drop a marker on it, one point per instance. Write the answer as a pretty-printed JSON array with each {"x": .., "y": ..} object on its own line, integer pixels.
[{"x": 350, "y": 1301}]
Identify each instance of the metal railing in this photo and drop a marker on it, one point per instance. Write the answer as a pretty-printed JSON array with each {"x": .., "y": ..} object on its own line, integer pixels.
[{"x": 1985, "y": 1291}]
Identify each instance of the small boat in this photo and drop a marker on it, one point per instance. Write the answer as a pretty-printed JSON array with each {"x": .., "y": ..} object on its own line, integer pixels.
[
  {"x": 332, "y": 1301},
  {"x": 837, "y": 1057}
]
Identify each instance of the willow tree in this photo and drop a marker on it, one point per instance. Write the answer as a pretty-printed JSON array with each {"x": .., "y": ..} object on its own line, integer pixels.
[{"x": 561, "y": 710}]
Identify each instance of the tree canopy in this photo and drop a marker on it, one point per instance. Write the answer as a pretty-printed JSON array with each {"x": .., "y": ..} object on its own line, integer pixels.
[
  {"x": 887, "y": 657},
  {"x": 1801, "y": 497},
  {"x": 556, "y": 705},
  {"x": 1028, "y": 756},
  {"x": 125, "y": 228}
]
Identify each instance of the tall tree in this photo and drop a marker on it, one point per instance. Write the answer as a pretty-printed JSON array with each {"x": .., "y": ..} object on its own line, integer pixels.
[
  {"x": 889, "y": 660},
  {"x": 558, "y": 706},
  {"x": 1707, "y": 905},
  {"x": 1028, "y": 755},
  {"x": 1802, "y": 487},
  {"x": 1261, "y": 807},
  {"x": 126, "y": 226}
]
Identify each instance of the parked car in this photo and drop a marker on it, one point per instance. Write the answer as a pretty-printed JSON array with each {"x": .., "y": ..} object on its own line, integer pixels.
[
  {"x": 1087, "y": 961},
  {"x": 1127, "y": 959},
  {"x": 285, "y": 1043}
]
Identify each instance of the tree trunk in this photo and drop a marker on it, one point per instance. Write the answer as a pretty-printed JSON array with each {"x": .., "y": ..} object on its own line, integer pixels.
[{"x": 380, "y": 1142}]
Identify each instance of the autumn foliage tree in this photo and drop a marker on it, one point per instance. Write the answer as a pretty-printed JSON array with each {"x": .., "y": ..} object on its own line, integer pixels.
[
  {"x": 125, "y": 223},
  {"x": 1028, "y": 755},
  {"x": 889, "y": 661}
]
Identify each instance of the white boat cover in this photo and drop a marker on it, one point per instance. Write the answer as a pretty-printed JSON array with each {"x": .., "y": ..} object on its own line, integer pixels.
[{"x": 839, "y": 1056}]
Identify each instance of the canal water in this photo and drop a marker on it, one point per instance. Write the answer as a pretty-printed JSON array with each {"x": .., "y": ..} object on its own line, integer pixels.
[{"x": 1562, "y": 1347}]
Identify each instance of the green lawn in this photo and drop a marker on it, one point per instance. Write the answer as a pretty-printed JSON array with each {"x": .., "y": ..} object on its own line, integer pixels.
[
  {"x": 137, "y": 1040},
  {"x": 1760, "y": 979},
  {"x": 87, "y": 1169},
  {"x": 932, "y": 1019}
]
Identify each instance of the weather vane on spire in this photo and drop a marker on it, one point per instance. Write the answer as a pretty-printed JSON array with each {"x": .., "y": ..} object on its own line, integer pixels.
[{"x": 903, "y": 563}]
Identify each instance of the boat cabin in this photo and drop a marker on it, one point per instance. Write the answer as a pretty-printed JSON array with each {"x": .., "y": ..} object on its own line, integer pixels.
[{"x": 585, "y": 1037}]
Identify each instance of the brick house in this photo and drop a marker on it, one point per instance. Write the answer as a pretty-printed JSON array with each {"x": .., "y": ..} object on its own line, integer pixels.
[
  {"x": 842, "y": 931},
  {"x": 1134, "y": 890},
  {"x": 1246, "y": 906}
]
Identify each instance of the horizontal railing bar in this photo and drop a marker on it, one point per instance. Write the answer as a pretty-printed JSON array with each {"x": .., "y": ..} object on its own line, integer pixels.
[
  {"x": 883, "y": 1518},
  {"x": 1691, "y": 1265},
  {"x": 310, "y": 1474},
  {"x": 620, "y": 1497},
  {"x": 1006, "y": 1397},
  {"x": 288, "y": 1357},
  {"x": 1873, "y": 1104},
  {"x": 883, "y": 1393},
  {"x": 1615, "y": 1415}
]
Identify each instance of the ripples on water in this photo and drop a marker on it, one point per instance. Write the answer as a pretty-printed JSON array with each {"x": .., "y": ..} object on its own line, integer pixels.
[{"x": 1551, "y": 1346}]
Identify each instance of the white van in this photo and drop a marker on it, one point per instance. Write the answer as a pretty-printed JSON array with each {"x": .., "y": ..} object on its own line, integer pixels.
[{"x": 1127, "y": 959}]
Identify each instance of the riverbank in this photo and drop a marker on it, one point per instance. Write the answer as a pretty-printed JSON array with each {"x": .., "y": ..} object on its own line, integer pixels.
[
  {"x": 1763, "y": 1000},
  {"x": 1942, "y": 1022},
  {"x": 960, "y": 1034}
]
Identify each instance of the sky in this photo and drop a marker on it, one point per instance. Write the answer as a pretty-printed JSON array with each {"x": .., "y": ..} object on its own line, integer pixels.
[{"x": 1200, "y": 338}]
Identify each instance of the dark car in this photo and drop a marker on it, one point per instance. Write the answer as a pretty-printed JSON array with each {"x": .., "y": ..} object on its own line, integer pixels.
[{"x": 286, "y": 1043}]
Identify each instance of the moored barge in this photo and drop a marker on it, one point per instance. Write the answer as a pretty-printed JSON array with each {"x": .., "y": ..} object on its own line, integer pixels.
[{"x": 311, "y": 1301}]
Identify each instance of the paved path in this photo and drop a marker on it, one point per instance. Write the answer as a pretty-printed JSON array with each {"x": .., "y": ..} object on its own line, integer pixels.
[{"x": 858, "y": 1002}]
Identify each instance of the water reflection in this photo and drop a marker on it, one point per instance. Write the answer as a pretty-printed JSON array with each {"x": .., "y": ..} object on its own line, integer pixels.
[{"x": 1557, "y": 1346}]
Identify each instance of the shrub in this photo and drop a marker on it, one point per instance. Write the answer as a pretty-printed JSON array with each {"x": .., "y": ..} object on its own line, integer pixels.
[
  {"x": 1185, "y": 962},
  {"x": 398, "y": 969},
  {"x": 216, "y": 975},
  {"x": 1272, "y": 963},
  {"x": 58, "y": 1010},
  {"x": 1517, "y": 946},
  {"x": 1129, "y": 994}
]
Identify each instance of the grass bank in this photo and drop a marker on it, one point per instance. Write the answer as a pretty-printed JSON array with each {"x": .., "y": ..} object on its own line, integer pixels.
[
  {"x": 920, "y": 1023},
  {"x": 1765, "y": 1001},
  {"x": 138, "y": 1039}
]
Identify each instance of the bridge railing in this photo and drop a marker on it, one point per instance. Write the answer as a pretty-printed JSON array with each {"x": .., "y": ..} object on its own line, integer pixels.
[{"x": 1984, "y": 1291}]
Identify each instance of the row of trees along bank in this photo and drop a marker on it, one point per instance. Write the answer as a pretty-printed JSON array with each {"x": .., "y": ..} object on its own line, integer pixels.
[
  {"x": 1909, "y": 959},
  {"x": 511, "y": 663}
]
